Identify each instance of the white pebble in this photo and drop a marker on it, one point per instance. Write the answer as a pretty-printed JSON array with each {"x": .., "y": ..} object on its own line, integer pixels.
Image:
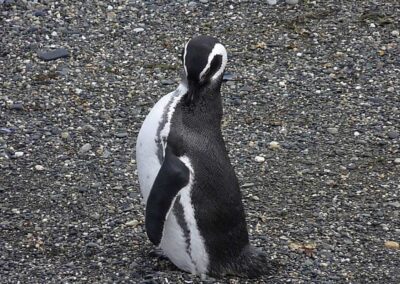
[
  {"x": 372, "y": 25},
  {"x": 397, "y": 161},
  {"x": 292, "y": 2},
  {"x": 271, "y": 2},
  {"x": 395, "y": 33},
  {"x": 18, "y": 154},
  {"x": 138, "y": 30},
  {"x": 54, "y": 33},
  {"x": 39, "y": 168},
  {"x": 274, "y": 145},
  {"x": 259, "y": 159},
  {"x": 356, "y": 133}
]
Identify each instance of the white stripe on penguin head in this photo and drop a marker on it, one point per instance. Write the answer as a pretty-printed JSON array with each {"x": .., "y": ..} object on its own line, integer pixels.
[
  {"x": 218, "y": 49},
  {"x": 184, "y": 58}
]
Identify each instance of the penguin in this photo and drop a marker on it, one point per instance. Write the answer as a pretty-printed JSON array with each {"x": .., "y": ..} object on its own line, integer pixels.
[{"x": 193, "y": 206}]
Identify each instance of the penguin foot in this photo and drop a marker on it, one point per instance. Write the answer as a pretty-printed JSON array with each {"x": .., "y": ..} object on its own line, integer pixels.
[{"x": 157, "y": 253}]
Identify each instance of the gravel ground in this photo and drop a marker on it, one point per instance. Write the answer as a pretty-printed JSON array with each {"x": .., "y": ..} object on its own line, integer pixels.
[{"x": 312, "y": 123}]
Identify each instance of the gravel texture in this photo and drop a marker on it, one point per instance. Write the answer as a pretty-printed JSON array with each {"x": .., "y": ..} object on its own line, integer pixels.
[{"x": 312, "y": 123}]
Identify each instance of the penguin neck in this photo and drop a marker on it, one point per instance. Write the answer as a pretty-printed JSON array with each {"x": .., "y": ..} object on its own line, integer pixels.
[{"x": 205, "y": 108}]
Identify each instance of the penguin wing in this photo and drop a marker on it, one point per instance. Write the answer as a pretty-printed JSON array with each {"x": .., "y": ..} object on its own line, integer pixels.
[{"x": 171, "y": 178}]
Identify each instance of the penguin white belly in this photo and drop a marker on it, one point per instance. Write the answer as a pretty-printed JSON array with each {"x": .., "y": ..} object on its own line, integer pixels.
[
  {"x": 148, "y": 141},
  {"x": 188, "y": 251}
]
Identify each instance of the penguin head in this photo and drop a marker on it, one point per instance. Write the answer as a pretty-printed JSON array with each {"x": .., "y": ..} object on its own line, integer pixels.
[{"x": 204, "y": 61}]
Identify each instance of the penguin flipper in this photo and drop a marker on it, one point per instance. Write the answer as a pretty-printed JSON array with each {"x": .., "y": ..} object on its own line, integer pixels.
[{"x": 171, "y": 178}]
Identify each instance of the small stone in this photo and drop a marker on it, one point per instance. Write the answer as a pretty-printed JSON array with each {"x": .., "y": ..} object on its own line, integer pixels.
[
  {"x": 351, "y": 166},
  {"x": 390, "y": 89},
  {"x": 39, "y": 13},
  {"x": 292, "y": 2},
  {"x": 393, "y": 134},
  {"x": 18, "y": 154},
  {"x": 395, "y": 204},
  {"x": 17, "y": 106},
  {"x": 255, "y": 197},
  {"x": 228, "y": 76},
  {"x": 92, "y": 249},
  {"x": 138, "y": 30},
  {"x": 271, "y": 2},
  {"x": 259, "y": 159},
  {"x": 274, "y": 145},
  {"x": 204, "y": 1},
  {"x": 372, "y": 25},
  {"x": 397, "y": 161},
  {"x": 53, "y": 54},
  {"x": 64, "y": 135},
  {"x": 392, "y": 245},
  {"x": 395, "y": 33},
  {"x": 356, "y": 133},
  {"x": 39, "y": 168},
  {"x": 133, "y": 223},
  {"x": 85, "y": 148},
  {"x": 15, "y": 211},
  {"x": 4, "y": 130},
  {"x": 332, "y": 130},
  {"x": 246, "y": 185},
  {"x": 167, "y": 82},
  {"x": 121, "y": 134},
  {"x": 54, "y": 34}
]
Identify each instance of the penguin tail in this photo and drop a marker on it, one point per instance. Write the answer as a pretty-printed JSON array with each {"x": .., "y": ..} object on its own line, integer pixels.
[{"x": 254, "y": 263}]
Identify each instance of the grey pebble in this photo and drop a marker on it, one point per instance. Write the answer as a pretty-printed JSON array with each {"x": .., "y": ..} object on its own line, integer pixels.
[
  {"x": 167, "y": 82},
  {"x": 332, "y": 130},
  {"x": 85, "y": 148},
  {"x": 121, "y": 134},
  {"x": 53, "y": 54},
  {"x": 393, "y": 134}
]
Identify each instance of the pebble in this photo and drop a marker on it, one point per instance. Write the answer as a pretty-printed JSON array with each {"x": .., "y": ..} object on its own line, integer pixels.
[
  {"x": 138, "y": 30},
  {"x": 393, "y": 134},
  {"x": 133, "y": 223},
  {"x": 228, "y": 76},
  {"x": 64, "y": 135},
  {"x": 274, "y": 145},
  {"x": 15, "y": 211},
  {"x": 397, "y": 161},
  {"x": 332, "y": 130},
  {"x": 204, "y": 1},
  {"x": 18, "y": 154},
  {"x": 246, "y": 185},
  {"x": 17, "y": 106},
  {"x": 271, "y": 2},
  {"x": 167, "y": 82},
  {"x": 85, "y": 148},
  {"x": 259, "y": 159},
  {"x": 292, "y": 2},
  {"x": 392, "y": 245},
  {"x": 39, "y": 168},
  {"x": 121, "y": 134},
  {"x": 39, "y": 13},
  {"x": 395, "y": 33},
  {"x": 53, "y": 54},
  {"x": 4, "y": 130}
]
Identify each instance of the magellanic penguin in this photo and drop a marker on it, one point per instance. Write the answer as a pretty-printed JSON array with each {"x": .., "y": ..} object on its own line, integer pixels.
[{"x": 194, "y": 212}]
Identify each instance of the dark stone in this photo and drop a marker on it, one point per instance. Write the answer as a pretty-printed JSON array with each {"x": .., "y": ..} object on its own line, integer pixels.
[
  {"x": 53, "y": 54},
  {"x": 39, "y": 13},
  {"x": 17, "y": 106}
]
